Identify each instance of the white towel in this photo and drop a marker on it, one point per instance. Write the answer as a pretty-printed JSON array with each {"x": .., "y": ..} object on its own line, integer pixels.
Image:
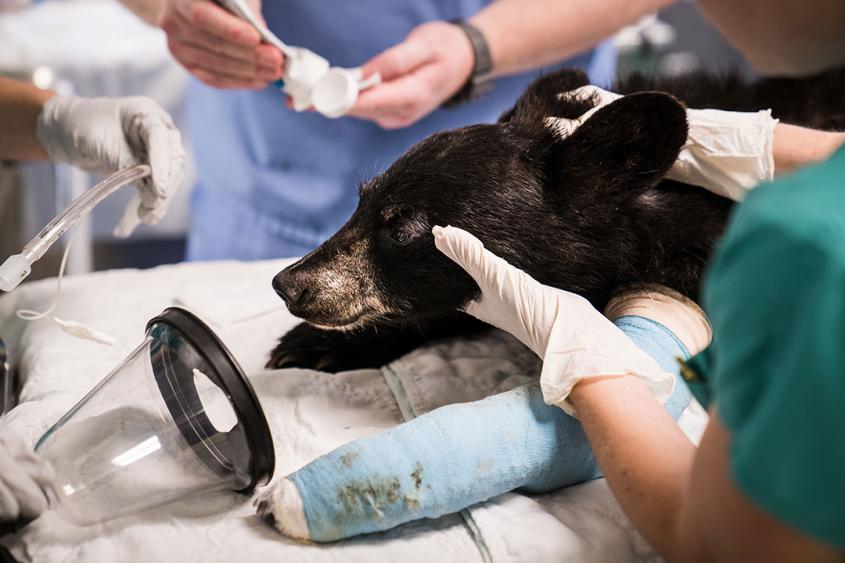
[{"x": 227, "y": 303}]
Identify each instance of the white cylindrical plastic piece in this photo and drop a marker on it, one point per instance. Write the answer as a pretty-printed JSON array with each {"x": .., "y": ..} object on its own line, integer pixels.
[
  {"x": 335, "y": 93},
  {"x": 303, "y": 69},
  {"x": 13, "y": 271}
]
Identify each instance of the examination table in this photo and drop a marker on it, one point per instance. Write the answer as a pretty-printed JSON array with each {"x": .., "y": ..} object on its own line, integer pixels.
[{"x": 310, "y": 413}]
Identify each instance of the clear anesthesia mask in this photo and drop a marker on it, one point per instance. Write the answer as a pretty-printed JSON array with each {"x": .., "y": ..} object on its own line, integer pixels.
[{"x": 176, "y": 418}]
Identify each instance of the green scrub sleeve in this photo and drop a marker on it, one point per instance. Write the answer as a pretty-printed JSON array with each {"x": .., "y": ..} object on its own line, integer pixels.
[{"x": 776, "y": 298}]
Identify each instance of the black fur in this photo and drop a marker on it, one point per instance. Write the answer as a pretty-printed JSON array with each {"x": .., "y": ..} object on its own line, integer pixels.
[{"x": 589, "y": 213}]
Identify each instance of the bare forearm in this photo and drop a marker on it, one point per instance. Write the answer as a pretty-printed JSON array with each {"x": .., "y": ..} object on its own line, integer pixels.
[
  {"x": 644, "y": 455},
  {"x": 147, "y": 10},
  {"x": 525, "y": 34},
  {"x": 20, "y": 104},
  {"x": 796, "y": 147}
]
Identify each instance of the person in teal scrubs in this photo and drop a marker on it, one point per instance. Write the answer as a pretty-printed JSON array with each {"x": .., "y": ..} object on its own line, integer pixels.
[
  {"x": 775, "y": 295},
  {"x": 767, "y": 481}
]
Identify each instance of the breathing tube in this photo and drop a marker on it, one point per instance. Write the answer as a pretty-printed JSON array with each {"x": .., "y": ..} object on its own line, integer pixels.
[{"x": 18, "y": 266}]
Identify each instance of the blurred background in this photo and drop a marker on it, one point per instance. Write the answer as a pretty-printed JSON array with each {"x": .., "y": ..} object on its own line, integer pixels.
[{"x": 99, "y": 48}]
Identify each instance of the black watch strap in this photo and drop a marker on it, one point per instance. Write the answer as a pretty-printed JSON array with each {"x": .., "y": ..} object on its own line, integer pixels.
[{"x": 480, "y": 81}]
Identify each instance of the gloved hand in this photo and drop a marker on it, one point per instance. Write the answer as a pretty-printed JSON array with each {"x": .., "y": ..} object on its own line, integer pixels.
[
  {"x": 727, "y": 152},
  {"x": 574, "y": 340},
  {"x": 27, "y": 483},
  {"x": 104, "y": 135}
]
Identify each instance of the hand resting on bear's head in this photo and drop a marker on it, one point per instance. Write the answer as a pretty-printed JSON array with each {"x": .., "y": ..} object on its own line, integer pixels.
[{"x": 587, "y": 213}]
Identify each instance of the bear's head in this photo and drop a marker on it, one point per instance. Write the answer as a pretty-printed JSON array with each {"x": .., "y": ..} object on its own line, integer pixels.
[{"x": 548, "y": 204}]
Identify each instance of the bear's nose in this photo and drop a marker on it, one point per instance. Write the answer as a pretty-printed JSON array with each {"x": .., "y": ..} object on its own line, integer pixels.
[{"x": 289, "y": 288}]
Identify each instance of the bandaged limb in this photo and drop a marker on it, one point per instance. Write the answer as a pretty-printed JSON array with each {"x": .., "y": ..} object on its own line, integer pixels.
[
  {"x": 727, "y": 152},
  {"x": 459, "y": 455}
]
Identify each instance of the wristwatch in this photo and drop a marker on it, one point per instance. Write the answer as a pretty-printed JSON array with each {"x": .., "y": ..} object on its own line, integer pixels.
[{"x": 480, "y": 81}]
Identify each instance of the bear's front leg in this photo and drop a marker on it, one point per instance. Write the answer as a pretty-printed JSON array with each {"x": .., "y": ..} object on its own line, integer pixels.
[{"x": 307, "y": 346}]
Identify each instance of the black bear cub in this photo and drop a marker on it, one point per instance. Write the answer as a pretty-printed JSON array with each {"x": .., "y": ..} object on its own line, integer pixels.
[{"x": 587, "y": 213}]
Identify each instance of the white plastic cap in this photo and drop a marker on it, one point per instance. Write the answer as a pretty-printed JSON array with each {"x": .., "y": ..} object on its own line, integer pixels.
[
  {"x": 303, "y": 69},
  {"x": 13, "y": 271},
  {"x": 335, "y": 93}
]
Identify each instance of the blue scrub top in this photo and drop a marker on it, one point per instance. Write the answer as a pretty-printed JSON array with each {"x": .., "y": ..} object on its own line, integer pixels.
[{"x": 274, "y": 183}]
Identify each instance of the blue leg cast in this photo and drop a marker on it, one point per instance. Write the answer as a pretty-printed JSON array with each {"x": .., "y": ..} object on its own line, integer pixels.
[{"x": 459, "y": 455}]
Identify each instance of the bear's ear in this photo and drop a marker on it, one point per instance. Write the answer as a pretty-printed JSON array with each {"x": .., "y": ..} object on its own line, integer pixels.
[
  {"x": 540, "y": 100},
  {"x": 628, "y": 144}
]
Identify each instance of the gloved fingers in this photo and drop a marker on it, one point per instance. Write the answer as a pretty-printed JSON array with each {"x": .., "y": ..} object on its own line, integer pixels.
[
  {"x": 10, "y": 508},
  {"x": 591, "y": 93},
  {"x": 130, "y": 219},
  {"x": 42, "y": 473},
  {"x": 562, "y": 126},
  {"x": 84, "y": 132},
  {"x": 154, "y": 139},
  {"x": 587, "y": 94},
  {"x": 565, "y": 127},
  {"x": 30, "y": 498},
  {"x": 152, "y": 214},
  {"x": 495, "y": 276},
  {"x": 469, "y": 253},
  {"x": 137, "y": 212},
  {"x": 460, "y": 247},
  {"x": 167, "y": 158},
  {"x": 28, "y": 474}
]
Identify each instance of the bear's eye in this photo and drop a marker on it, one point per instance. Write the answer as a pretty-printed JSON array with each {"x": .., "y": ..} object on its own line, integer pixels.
[{"x": 400, "y": 236}]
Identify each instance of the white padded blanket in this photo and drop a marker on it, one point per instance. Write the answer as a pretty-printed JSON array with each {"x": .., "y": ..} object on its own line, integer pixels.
[{"x": 310, "y": 413}]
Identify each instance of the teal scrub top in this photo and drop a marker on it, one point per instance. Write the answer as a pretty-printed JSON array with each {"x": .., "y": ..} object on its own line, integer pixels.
[{"x": 775, "y": 293}]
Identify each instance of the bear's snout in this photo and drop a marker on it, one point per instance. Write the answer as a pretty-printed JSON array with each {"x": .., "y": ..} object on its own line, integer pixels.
[
  {"x": 292, "y": 288},
  {"x": 326, "y": 293}
]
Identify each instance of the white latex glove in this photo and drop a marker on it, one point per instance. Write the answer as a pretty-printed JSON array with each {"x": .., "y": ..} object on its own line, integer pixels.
[
  {"x": 727, "y": 152},
  {"x": 27, "y": 482},
  {"x": 574, "y": 340},
  {"x": 103, "y": 135}
]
